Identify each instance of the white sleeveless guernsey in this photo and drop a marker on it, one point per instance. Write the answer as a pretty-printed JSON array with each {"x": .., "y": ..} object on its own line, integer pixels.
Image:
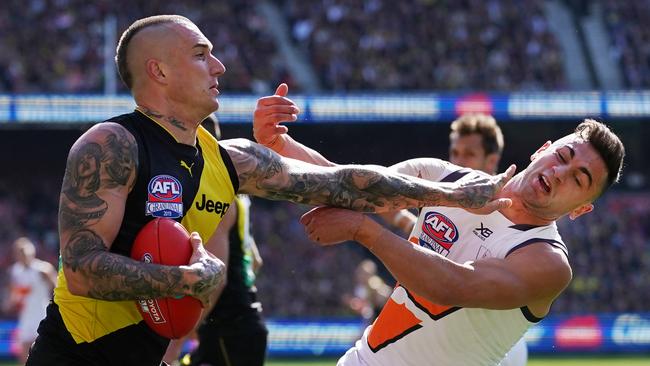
[
  {"x": 413, "y": 331},
  {"x": 36, "y": 291}
]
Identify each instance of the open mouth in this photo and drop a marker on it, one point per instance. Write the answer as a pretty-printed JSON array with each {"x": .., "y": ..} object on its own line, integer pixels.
[{"x": 543, "y": 181}]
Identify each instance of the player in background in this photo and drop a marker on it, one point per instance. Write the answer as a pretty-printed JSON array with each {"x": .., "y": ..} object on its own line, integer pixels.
[
  {"x": 233, "y": 332},
  {"x": 370, "y": 291},
  {"x": 31, "y": 281},
  {"x": 469, "y": 286}
]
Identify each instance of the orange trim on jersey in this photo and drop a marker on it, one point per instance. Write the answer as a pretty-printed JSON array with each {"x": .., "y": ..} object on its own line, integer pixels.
[{"x": 394, "y": 322}]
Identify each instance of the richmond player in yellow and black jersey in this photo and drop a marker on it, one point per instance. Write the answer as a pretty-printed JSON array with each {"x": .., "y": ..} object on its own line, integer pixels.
[{"x": 194, "y": 185}]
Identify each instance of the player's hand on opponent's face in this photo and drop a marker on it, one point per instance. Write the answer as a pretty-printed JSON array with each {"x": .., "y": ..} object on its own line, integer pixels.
[
  {"x": 327, "y": 225},
  {"x": 478, "y": 195},
  {"x": 269, "y": 112},
  {"x": 209, "y": 271}
]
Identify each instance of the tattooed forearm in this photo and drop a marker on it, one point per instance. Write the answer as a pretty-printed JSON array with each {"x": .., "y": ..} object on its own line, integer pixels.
[
  {"x": 114, "y": 277},
  {"x": 356, "y": 187},
  {"x": 361, "y": 188}
]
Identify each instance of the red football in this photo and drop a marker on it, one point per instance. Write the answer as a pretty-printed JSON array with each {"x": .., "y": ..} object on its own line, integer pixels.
[{"x": 165, "y": 241}]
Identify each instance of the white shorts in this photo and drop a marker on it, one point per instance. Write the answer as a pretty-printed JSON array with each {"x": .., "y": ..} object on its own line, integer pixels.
[
  {"x": 351, "y": 358},
  {"x": 27, "y": 328}
]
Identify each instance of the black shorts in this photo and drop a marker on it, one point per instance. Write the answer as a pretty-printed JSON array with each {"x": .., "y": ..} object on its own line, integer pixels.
[
  {"x": 135, "y": 345},
  {"x": 241, "y": 342}
]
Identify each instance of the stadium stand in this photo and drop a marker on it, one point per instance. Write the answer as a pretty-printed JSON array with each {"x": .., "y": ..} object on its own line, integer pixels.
[
  {"x": 31, "y": 63},
  {"x": 493, "y": 45},
  {"x": 440, "y": 45},
  {"x": 627, "y": 22}
]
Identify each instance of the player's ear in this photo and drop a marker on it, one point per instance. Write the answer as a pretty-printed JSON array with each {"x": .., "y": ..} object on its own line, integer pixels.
[
  {"x": 584, "y": 209},
  {"x": 156, "y": 70},
  {"x": 540, "y": 150}
]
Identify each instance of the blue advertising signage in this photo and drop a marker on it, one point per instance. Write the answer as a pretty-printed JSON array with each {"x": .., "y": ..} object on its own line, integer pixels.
[
  {"x": 585, "y": 334},
  {"x": 354, "y": 107}
]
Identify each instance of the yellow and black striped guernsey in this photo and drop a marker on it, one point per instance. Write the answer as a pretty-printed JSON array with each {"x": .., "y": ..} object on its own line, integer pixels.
[{"x": 193, "y": 185}]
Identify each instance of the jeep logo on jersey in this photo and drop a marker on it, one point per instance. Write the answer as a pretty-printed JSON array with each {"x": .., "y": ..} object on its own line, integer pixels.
[
  {"x": 439, "y": 229},
  {"x": 209, "y": 205},
  {"x": 165, "y": 197}
]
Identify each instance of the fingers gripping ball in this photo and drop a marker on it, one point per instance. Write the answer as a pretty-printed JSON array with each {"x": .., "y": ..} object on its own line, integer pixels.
[{"x": 165, "y": 241}]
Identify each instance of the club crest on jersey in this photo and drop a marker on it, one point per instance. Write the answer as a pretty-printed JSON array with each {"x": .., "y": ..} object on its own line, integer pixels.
[
  {"x": 165, "y": 197},
  {"x": 439, "y": 233}
]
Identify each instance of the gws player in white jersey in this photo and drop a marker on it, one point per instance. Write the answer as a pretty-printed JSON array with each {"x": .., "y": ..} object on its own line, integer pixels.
[
  {"x": 475, "y": 142},
  {"x": 31, "y": 281},
  {"x": 469, "y": 286}
]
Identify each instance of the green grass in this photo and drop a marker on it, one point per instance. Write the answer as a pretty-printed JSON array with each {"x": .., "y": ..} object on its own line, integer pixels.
[
  {"x": 591, "y": 361},
  {"x": 547, "y": 361},
  {"x": 537, "y": 361}
]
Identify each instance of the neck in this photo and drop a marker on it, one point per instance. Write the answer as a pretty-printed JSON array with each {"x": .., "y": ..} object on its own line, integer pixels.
[
  {"x": 520, "y": 212},
  {"x": 182, "y": 127}
]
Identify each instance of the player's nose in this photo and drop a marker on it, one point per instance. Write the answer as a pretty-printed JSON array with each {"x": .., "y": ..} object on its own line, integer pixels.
[{"x": 217, "y": 68}]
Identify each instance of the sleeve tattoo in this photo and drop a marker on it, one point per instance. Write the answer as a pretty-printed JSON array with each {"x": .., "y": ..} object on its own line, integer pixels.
[
  {"x": 105, "y": 163},
  {"x": 356, "y": 187}
]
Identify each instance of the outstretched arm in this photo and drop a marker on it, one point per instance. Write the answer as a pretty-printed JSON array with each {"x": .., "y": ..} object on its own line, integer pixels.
[
  {"x": 533, "y": 275},
  {"x": 369, "y": 188},
  {"x": 267, "y": 130},
  {"x": 100, "y": 172}
]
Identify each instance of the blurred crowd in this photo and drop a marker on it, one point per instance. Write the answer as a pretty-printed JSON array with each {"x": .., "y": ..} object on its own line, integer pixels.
[
  {"x": 57, "y": 45},
  {"x": 426, "y": 44},
  {"x": 609, "y": 252},
  {"x": 627, "y": 23}
]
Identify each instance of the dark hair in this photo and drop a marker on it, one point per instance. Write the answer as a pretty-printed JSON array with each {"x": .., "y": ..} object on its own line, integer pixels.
[
  {"x": 607, "y": 144},
  {"x": 123, "y": 45},
  {"x": 484, "y": 125}
]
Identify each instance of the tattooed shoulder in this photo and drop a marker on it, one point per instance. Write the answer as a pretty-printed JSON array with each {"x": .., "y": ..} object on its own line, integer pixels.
[
  {"x": 104, "y": 157},
  {"x": 118, "y": 153}
]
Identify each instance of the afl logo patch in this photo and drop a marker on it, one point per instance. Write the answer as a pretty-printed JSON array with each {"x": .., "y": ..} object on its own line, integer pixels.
[
  {"x": 165, "y": 197},
  {"x": 165, "y": 188},
  {"x": 439, "y": 233}
]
